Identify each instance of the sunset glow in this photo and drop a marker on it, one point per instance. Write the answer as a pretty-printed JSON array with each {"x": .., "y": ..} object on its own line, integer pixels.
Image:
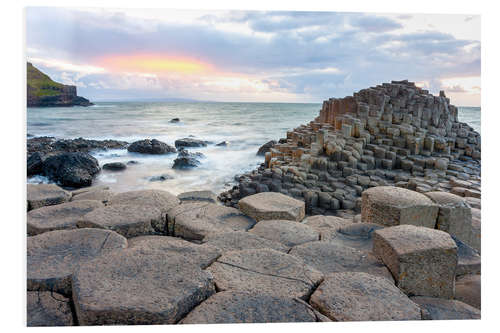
[{"x": 143, "y": 63}]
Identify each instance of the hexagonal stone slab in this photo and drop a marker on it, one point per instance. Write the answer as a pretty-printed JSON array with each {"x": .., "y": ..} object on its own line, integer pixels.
[
  {"x": 159, "y": 199},
  {"x": 454, "y": 215},
  {"x": 388, "y": 205},
  {"x": 53, "y": 256},
  {"x": 58, "y": 217},
  {"x": 468, "y": 290},
  {"x": 231, "y": 307},
  {"x": 127, "y": 220},
  {"x": 198, "y": 196},
  {"x": 40, "y": 195},
  {"x": 469, "y": 260},
  {"x": 286, "y": 232},
  {"x": 357, "y": 296},
  {"x": 193, "y": 221},
  {"x": 445, "y": 309},
  {"x": 265, "y": 271},
  {"x": 357, "y": 235},
  {"x": 200, "y": 255},
  {"x": 45, "y": 308},
  {"x": 475, "y": 239},
  {"x": 272, "y": 206},
  {"x": 423, "y": 261},
  {"x": 327, "y": 226},
  {"x": 329, "y": 257},
  {"x": 137, "y": 287},
  {"x": 101, "y": 195},
  {"x": 242, "y": 240}
]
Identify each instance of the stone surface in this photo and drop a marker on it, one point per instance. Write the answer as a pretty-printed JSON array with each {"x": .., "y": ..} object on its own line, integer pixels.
[
  {"x": 159, "y": 199},
  {"x": 58, "y": 217},
  {"x": 193, "y": 221},
  {"x": 114, "y": 166},
  {"x": 242, "y": 240},
  {"x": 102, "y": 195},
  {"x": 89, "y": 189},
  {"x": 475, "y": 239},
  {"x": 328, "y": 257},
  {"x": 387, "y": 205},
  {"x": 231, "y": 307},
  {"x": 356, "y": 296},
  {"x": 288, "y": 233},
  {"x": 201, "y": 196},
  {"x": 469, "y": 260},
  {"x": 265, "y": 148},
  {"x": 327, "y": 226},
  {"x": 468, "y": 290},
  {"x": 423, "y": 261},
  {"x": 473, "y": 202},
  {"x": 127, "y": 220},
  {"x": 272, "y": 206},
  {"x": 189, "y": 142},
  {"x": 154, "y": 147},
  {"x": 45, "y": 308},
  {"x": 265, "y": 271},
  {"x": 187, "y": 160},
  {"x": 445, "y": 309},
  {"x": 135, "y": 286},
  {"x": 53, "y": 256},
  {"x": 39, "y": 195},
  {"x": 74, "y": 169},
  {"x": 199, "y": 255},
  {"x": 454, "y": 215},
  {"x": 357, "y": 235}
]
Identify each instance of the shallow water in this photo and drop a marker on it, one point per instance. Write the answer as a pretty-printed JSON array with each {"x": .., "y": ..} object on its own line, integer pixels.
[{"x": 246, "y": 126}]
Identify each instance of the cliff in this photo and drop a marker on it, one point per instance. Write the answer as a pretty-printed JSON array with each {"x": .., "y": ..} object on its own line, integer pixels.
[{"x": 43, "y": 91}]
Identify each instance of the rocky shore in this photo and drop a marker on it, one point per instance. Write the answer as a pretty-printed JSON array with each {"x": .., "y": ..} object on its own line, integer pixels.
[{"x": 370, "y": 212}]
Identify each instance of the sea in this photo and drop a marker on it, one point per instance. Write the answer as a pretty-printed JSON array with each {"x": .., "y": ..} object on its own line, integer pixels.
[{"x": 245, "y": 126}]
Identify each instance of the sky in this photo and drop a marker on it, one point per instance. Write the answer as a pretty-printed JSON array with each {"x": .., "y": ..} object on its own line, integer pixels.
[{"x": 252, "y": 56}]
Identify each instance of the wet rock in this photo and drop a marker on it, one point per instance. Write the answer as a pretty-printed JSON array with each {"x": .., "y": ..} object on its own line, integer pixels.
[
  {"x": 89, "y": 189},
  {"x": 231, "y": 307},
  {"x": 154, "y": 147},
  {"x": 468, "y": 290},
  {"x": 75, "y": 169},
  {"x": 223, "y": 144},
  {"x": 194, "y": 221},
  {"x": 49, "y": 144},
  {"x": 189, "y": 142},
  {"x": 40, "y": 195},
  {"x": 45, "y": 308},
  {"x": 52, "y": 257},
  {"x": 328, "y": 257},
  {"x": 272, "y": 206},
  {"x": 327, "y": 226},
  {"x": 131, "y": 288},
  {"x": 187, "y": 160},
  {"x": 423, "y": 261},
  {"x": 266, "y": 147},
  {"x": 175, "y": 120},
  {"x": 198, "y": 196},
  {"x": 288, "y": 233},
  {"x": 357, "y": 296},
  {"x": 132, "y": 162},
  {"x": 242, "y": 240},
  {"x": 58, "y": 217},
  {"x": 264, "y": 271},
  {"x": 34, "y": 163},
  {"x": 199, "y": 255},
  {"x": 114, "y": 166},
  {"x": 387, "y": 205},
  {"x": 160, "y": 178},
  {"x": 445, "y": 309}
]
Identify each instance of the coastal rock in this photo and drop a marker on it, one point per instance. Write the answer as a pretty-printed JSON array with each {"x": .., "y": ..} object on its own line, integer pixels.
[
  {"x": 265, "y": 148},
  {"x": 423, "y": 261},
  {"x": 198, "y": 196},
  {"x": 327, "y": 226},
  {"x": 159, "y": 199},
  {"x": 387, "y": 205},
  {"x": 45, "y": 308},
  {"x": 71, "y": 169},
  {"x": 58, "y": 217},
  {"x": 357, "y": 296},
  {"x": 469, "y": 260},
  {"x": 34, "y": 163},
  {"x": 99, "y": 195},
  {"x": 130, "y": 288},
  {"x": 475, "y": 239},
  {"x": 84, "y": 145},
  {"x": 445, "y": 309},
  {"x": 194, "y": 221},
  {"x": 187, "y": 160},
  {"x": 114, "y": 166},
  {"x": 175, "y": 120},
  {"x": 231, "y": 307},
  {"x": 222, "y": 144},
  {"x": 160, "y": 178},
  {"x": 40, "y": 195},
  {"x": 265, "y": 271},
  {"x": 153, "y": 146},
  {"x": 272, "y": 206},
  {"x": 288, "y": 233},
  {"x": 328, "y": 257},
  {"x": 357, "y": 235},
  {"x": 195, "y": 254},
  {"x": 242, "y": 240},
  {"x": 468, "y": 290},
  {"x": 189, "y": 142},
  {"x": 53, "y": 256},
  {"x": 127, "y": 220}
]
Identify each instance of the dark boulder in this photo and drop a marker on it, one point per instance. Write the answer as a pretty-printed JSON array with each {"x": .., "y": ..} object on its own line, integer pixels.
[
  {"x": 71, "y": 169},
  {"x": 47, "y": 144},
  {"x": 265, "y": 148},
  {"x": 187, "y": 160},
  {"x": 114, "y": 166},
  {"x": 223, "y": 144},
  {"x": 188, "y": 142},
  {"x": 35, "y": 163},
  {"x": 160, "y": 178},
  {"x": 175, "y": 120},
  {"x": 151, "y": 147}
]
